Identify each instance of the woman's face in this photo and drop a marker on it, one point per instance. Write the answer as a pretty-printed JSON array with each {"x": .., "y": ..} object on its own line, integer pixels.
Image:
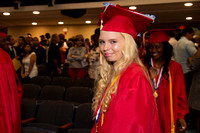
[
  {"x": 156, "y": 50},
  {"x": 27, "y": 48},
  {"x": 79, "y": 43},
  {"x": 111, "y": 45}
]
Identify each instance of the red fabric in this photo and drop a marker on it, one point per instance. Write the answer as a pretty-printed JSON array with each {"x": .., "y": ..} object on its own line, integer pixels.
[
  {"x": 77, "y": 73},
  {"x": 132, "y": 108},
  {"x": 180, "y": 104},
  {"x": 118, "y": 19},
  {"x": 62, "y": 55},
  {"x": 2, "y": 34},
  {"x": 10, "y": 98},
  {"x": 158, "y": 36}
]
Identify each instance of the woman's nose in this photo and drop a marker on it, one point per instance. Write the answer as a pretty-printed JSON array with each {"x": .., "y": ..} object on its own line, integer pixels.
[
  {"x": 106, "y": 46},
  {"x": 154, "y": 49}
]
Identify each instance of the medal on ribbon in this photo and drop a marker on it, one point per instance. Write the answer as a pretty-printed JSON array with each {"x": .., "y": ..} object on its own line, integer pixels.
[{"x": 157, "y": 79}]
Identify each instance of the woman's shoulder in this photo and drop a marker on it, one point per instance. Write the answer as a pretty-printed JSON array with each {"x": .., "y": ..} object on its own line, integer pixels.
[
  {"x": 32, "y": 53},
  {"x": 134, "y": 77},
  {"x": 175, "y": 67},
  {"x": 134, "y": 71}
]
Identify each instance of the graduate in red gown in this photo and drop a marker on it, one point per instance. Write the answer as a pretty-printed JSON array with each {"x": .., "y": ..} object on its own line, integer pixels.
[
  {"x": 123, "y": 101},
  {"x": 168, "y": 80},
  {"x": 10, "y": 95}
]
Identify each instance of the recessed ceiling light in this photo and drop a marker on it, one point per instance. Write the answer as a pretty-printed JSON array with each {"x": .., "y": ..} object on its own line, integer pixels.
[
  {"x": 6, "y": 13},
  {"x": 34, "y": 23},
  {"x": 88, "y": 22},
  {"x": 188, "y": 18},
  {"x": 36, "y": 12},
  {"x": 60, "y": 22},
  {"x": 132, "y": 7},
  {"x": 188, "y": 4}
]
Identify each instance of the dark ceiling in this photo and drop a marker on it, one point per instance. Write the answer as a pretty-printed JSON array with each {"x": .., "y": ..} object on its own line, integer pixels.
[
  {"x": 169, "y": 13},
  {"x": 10, "y": 3}
]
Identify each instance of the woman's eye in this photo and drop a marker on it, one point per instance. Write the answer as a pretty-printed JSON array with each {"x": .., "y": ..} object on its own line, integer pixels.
[
  {"x": 157, "y": 47},
  {"x": 113, "y": 41},
  {"x": 101, "y": 42}
]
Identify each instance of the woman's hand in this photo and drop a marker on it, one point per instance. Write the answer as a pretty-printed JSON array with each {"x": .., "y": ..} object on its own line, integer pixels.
[
  {"x": 72, "y": 56},
  {"x": 183, "y": 125},
  {"x": 153, "y": 72}
]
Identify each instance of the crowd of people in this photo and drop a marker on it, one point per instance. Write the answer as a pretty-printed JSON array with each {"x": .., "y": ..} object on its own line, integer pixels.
[
  {"x": 147, "y": 88},
  {"x": 53, "y": 52}
]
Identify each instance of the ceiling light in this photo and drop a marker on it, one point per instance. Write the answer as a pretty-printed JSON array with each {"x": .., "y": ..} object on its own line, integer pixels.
[
  {"x": 34, "y": 23},
  {"x": 188, "y": 18},
  {"x": 132, "y": 7},
  {"x": 36, "y": 12},
  {"x": 188, "y": 4},
  {"x": 6, "y": 13},
  {"x": 88, "y": 22},
  {"x": 60, "y": 22}
]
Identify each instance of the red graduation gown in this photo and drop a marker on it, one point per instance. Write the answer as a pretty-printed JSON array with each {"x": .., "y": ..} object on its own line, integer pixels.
[
  {"x": 132, "y": 108},
  {"x": 10, "y": 96},
  {"x": 180, "y": 105}
]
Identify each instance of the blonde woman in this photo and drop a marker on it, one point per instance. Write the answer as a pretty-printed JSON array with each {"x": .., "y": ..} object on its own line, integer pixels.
[{"x": 123, "y": 101}]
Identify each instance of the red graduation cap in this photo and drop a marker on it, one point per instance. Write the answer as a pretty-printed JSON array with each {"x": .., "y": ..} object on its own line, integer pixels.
[
  {"x": 2, "y": 34},
  {"x": 159, "y": 35},
  {"x": 118, "y": 19}
]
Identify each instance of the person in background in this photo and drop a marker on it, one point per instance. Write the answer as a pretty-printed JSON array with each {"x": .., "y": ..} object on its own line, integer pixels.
[
  {"x": 11, "y": 51},
  {"x": 123, "y": 100},
  {"x": 184, "y": 49},
  {"x": 40, "y": 52},
  {"x": 168, "y": 80},
  {"x": 20, "y": 47},
  {"x": 29, "y": 38},
  {"x": 20, "y": 53},
  {"x": 93, "y": 57},
  {"x": 63, "y": 48},
  {"x": 10, "y": 94},
  {"x": 62, "y": 52},
  {"x": 76, "y": 58},
  {"x": 29, "y": 68},
  {"x": 54, "y": 58},
  {"x": 194, "y": 96},
  {"x": 48, "y": 38},
  {"x": 196, "y": 39},
  {"x": 87, "y": 44},
  {"x": 43, "y": 41}
]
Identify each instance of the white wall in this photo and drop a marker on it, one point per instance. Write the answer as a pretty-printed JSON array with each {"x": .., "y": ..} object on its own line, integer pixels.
[{"x": 36, "y": 31}]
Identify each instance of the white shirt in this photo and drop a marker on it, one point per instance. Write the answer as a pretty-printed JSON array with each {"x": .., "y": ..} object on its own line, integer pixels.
[
  {"x": 26, "y": 62},
  {"x": 183, "y": 50}
]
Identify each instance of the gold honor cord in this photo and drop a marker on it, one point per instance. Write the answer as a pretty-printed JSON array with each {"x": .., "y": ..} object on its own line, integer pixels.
[
  {"x": 171, "y": 104},
  {"x": 102, "y": 117}
]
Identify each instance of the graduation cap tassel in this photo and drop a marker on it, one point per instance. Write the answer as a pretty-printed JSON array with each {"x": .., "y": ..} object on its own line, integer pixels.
[{"x": 101, "y": 26}]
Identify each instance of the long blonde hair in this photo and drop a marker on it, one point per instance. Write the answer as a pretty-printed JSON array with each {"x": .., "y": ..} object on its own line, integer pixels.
[{"x": 109, "y": 71}]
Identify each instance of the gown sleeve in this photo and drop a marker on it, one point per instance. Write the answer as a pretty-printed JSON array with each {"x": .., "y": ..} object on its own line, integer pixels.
[{"x": 182, "y": 104}]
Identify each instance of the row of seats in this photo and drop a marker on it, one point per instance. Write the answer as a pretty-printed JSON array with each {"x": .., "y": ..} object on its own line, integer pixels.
[
  {"x": 74, "y": 95},
  {"x": 55, "y": 117},
  {"x": 62, "y": 81}
]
